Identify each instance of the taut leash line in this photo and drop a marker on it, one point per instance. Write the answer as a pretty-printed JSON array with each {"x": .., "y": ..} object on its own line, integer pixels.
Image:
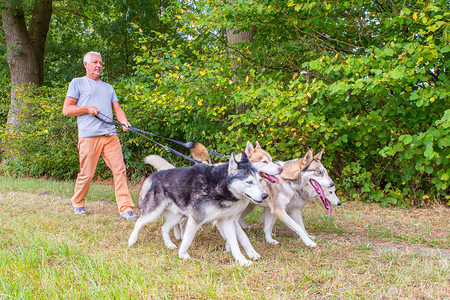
[{"x": 140, "y": 132}]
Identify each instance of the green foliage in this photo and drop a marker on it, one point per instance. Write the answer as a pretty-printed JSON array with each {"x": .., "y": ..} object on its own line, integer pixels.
[
  {"x": 44, "y": 144},
  {"x": 374, "y": 110},
  {"x": 5, "y": 99},
  {"x": 364, "y": 80},
  {"x": 107, "y": 27}
]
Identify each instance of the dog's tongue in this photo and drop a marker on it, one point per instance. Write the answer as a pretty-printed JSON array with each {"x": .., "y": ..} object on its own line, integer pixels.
[
  {"x": 319, "y": 191},
  {"x": 268, "y": 177}
]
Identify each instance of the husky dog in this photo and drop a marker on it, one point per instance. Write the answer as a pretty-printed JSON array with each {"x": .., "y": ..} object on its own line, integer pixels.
[
  {"x": 302, "y": 180},
  {"x": 203, "y": 194},
  {"x": 260, "y": 158}
]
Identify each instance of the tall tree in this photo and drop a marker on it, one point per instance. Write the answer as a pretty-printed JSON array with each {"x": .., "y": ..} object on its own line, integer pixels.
[
  {"x": 25, "y": 47},
  {"x": 237, "y": 35}
]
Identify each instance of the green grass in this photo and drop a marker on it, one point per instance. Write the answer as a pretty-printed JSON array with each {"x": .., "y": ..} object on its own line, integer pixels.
[{"x": 49, "y": 253}]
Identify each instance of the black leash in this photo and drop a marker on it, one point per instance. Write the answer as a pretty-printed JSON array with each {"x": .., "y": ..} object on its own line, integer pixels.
[
  {"x": 138, "y": 130},
  {"x": 142, "y": 132}
]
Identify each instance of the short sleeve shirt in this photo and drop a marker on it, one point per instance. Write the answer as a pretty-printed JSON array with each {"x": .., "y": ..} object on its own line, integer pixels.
[{"x": 93, "y": 93}]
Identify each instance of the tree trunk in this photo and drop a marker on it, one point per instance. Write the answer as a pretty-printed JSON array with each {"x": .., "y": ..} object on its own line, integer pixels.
[
  {"x": 25, "y": 49},
  {"x": 236, "y": 36}
]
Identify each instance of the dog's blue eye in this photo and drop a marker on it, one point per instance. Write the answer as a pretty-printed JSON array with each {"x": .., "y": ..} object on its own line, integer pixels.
[
  {"x": 319, "y": 172},
  {"x": 250, "y": 182}
]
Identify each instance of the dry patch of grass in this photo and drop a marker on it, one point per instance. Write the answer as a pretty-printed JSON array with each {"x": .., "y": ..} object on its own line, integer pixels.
[{"x": 364, "y": 251}]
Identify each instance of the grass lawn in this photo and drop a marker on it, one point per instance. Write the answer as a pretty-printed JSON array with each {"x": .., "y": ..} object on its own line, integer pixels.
[{"x": 364, "y": 252}]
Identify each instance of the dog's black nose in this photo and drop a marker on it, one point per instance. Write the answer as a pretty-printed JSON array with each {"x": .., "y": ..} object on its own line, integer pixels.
[
  {"x": 339, "y": 203},
  {"x": 280, "y": 170},
  {"x": 264, "y": 196},
  {"x": 332, "y": 184}
]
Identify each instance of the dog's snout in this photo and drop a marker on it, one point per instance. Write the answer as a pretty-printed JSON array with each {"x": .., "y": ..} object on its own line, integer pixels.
[
  {"x": 332, "y": 184},
  {"x": 264, "y": 196},
  {"x": 339, "y": 203},
  {"x": 280, "y": 170}
]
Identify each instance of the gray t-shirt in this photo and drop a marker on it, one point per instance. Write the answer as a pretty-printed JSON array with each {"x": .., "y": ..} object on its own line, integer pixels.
[{"x": 93, "y": 93}]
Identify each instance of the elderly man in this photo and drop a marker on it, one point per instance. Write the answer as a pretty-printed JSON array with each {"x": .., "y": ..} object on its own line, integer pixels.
[{"x": 87, "y": 97}]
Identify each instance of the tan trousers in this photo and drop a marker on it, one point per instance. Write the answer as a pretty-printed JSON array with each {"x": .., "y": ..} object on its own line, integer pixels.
[{"x": 90, "y": 150}]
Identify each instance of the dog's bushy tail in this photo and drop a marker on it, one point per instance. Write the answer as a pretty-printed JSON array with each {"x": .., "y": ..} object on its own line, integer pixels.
[{"x": 158, "y": 162}]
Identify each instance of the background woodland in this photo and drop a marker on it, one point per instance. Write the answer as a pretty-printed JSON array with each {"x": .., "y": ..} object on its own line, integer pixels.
[{"x": 367, "y": 81}]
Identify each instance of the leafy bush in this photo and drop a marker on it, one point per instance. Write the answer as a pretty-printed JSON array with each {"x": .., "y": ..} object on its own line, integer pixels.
[
  {"x": 380, "y": 111},
  {"x": 374, "y": 113},
  {"x": 44, "y": 143}
]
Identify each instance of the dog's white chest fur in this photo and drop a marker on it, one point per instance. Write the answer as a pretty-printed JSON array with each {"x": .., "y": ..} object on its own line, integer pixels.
[{"x": 229, "y": 208}]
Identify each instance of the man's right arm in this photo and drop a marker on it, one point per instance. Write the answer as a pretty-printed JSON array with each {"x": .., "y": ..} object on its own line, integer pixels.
[{"x": 70, "y": 109}]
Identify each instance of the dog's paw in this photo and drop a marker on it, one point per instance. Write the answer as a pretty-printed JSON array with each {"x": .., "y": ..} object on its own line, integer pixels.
[
  {"x": 312, "y": 237},
  {"x": 227, "y": 247},
  {"x": 244, "y": 262},
  {"x": 184, "y": 255},
  {"x": 171, "y": 246},
  {"x": 272, "y": 241},
  {"x": 310, "y": 244},
  {"x": 254, "y": 255}
]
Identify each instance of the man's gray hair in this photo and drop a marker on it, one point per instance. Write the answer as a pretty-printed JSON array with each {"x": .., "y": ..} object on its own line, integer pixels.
[{"x": 87, "y": 57}]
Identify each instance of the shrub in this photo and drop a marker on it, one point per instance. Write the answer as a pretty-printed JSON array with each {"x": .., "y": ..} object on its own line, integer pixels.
[{"x": 44, "y": 143}]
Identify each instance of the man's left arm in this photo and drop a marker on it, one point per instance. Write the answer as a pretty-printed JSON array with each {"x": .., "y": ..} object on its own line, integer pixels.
[{"x": 120, "y": 115}]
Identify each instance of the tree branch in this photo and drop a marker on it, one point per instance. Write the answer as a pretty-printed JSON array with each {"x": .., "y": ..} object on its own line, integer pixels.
[{"x": 74, "y": 12}]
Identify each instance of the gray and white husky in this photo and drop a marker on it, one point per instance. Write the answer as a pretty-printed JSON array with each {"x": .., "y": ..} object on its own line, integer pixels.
[
  {"x": 260, "y": 158},
  {"x": 202, "y": 193}
]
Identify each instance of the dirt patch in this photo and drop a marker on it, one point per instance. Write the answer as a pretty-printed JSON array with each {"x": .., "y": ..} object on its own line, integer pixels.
[
  {"x": 377, "y": 243},
  {"x": 363, "y": 225}
]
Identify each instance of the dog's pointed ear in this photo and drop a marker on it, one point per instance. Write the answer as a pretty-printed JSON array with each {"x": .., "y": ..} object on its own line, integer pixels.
[
  {"x": 257, "y": 145},
  {"x": 249, "y": 149},
  {"x": 307, "y": 160},
  {"x": 318, "y": 156},
  {"x": 244, "y": 158},
  {"x": 232, "y": 165}
]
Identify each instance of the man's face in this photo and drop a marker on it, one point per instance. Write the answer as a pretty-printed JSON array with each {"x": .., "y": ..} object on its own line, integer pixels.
[{"x": 94, "y": 66}]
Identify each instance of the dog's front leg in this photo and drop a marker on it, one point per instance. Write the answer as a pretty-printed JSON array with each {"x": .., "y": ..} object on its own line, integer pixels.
[
  {"x": 296, "y": 215},
  {"x": 188, "y": 237},
  {"x": 245, "y": 242},
  {"x": 246, "y": 211},
  {"x": 228, "y": 228},
  {"x": 269, "y": 221},
  {"x": 286, "y": 219}
]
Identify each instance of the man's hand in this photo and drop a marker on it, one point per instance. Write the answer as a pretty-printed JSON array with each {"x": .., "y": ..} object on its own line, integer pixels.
[
  {"x": 93, "y": 110},
  {"x": 120, "y": 115},
  {"x": 71, "y": 109},
  {"x": 127, "y": 126}
]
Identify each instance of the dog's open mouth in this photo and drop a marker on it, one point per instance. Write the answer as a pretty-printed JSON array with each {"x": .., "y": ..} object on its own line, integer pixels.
[
  {"x": 251, "y": 198},
  {"x": 268, "y": 177},
  {"x": 319, "y": 191}
]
